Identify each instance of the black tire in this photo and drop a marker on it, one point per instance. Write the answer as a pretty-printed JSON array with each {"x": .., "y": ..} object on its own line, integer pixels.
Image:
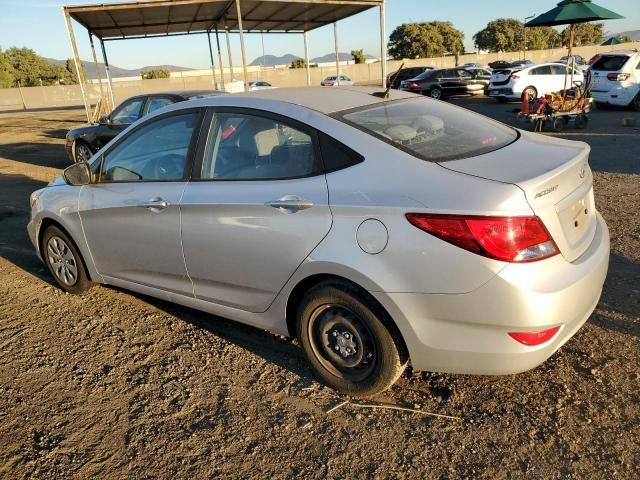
[
  {"x": 558, "y": 124},
  {"x": 64, "y": 261},
  {"x": 581, "y": 121},
  {"x": 636, "y": 103},
  {"x": 436, "y": 93},
  {"x": 531, "y": 91},
  {"x": 81, "y": 151},
  {"x": 371, "y": 355}
]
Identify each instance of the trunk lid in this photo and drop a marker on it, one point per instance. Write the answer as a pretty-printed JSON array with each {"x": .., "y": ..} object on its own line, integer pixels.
[{"x": 555, "y": 177}]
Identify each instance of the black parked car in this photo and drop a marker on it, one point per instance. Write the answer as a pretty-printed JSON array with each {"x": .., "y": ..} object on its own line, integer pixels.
[
  {"x": 81, "y": 143},
  {"x": 446, "y": 82},
  {"x": 404, "y": 74}
]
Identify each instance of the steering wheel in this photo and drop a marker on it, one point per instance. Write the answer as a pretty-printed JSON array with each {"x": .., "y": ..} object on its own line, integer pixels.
[{"x": 168, "y": 167}]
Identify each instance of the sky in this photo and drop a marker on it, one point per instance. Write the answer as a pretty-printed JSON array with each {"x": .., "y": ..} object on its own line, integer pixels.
[{"x": 39, "y": 24}]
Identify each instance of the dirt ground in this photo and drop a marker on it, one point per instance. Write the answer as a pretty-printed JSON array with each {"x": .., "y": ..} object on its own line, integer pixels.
[{"x": 114, "y": 385}]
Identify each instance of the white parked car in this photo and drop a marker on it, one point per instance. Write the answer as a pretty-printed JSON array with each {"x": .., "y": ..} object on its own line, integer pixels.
[
  {"x": 259, "y": 85},
  {"x": 616, "y": 79},
  {"x": 536, "y": 80},
  {"x": 332, "y": 81}
]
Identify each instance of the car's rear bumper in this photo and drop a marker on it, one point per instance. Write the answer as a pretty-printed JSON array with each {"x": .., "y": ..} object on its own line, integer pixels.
[
  {"x": 616, "y": 96},
  {"x": 468, "y": 333},
  {"x": 502, "y": 92}
]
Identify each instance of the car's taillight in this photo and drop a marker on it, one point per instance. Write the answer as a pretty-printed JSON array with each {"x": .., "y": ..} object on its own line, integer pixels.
[
  {"x": 508, "y": 239},
  {"x": 619, "y": 77},
  {"x": 531, "y": 339},
  {"x": 412, "y": 85}
]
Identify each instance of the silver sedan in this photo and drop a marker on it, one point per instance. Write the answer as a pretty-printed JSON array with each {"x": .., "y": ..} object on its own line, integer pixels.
[{"x": 376, "y": 230}]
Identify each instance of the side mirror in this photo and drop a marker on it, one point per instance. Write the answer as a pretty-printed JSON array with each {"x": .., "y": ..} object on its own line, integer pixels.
[
  {"x": 104, "y": 120},
  {"x": 77, "y": 174}
]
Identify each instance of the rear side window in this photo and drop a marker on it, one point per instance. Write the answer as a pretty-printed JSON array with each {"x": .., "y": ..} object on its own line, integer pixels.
[
  {"x": 610, "y": 62},
  {"x": 337, "y": 156},
  {"x": 431, "y": 130}
]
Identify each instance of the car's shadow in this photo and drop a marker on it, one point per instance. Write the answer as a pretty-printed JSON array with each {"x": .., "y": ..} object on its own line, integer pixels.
[{"x": 42, "y": 154}]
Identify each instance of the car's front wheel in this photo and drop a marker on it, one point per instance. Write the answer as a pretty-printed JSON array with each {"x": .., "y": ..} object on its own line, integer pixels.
[
  {"x": 81, "y": 152},
  {"x": 352, "y": 345},
  {"x": 63, "y": 261}
]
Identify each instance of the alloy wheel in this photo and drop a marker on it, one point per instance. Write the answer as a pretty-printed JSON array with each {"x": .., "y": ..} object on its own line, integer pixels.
[
  {"x": 83, "y": 153},
  {"x": 62, "y": 261}
]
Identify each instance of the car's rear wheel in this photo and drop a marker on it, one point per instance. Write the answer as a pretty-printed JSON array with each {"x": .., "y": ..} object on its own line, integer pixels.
[
  {"x": 64, "y": 261},
  {"x": 531, "y": 91},
  {"x": 352, "y": 346},
  {"x": 436, "y": 93},
  {"x": 81, "y": 151}
]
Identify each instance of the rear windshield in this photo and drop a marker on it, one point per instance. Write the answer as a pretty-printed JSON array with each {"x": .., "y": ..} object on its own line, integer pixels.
[
  {"x": 610, "y": 62},
  {"x": 431, "y": 130}
]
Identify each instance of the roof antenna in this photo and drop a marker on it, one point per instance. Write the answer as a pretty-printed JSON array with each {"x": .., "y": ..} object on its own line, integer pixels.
[{"x": 385, "y": 94}]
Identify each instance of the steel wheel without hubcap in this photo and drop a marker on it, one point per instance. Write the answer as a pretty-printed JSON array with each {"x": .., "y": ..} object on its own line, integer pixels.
[
  {"x": 63, "y": 262},
  {"x": 83, "y": 153},
  {"x": 342, "y": 342}
]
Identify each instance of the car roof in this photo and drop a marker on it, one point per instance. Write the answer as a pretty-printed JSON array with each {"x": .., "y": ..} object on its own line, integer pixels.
[
  {"x": 321, "y": 99},
  {"x": 621, "y": 52},
  {"x": 189, "y": 93}
]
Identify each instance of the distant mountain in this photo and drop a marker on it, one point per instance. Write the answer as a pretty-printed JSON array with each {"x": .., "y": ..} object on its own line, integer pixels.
[
  {"x": 634, "y": 34},
  {"x": 272, "y": 60},
  {"x": 331, "y": 57},
  {"x": 117, "y": 72}
]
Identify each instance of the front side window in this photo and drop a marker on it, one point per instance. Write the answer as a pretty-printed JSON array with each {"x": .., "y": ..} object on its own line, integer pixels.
[
  {"x": 250, "y": 147},
  {"x": 433, "y": 131},
  {"x": 465, "y": 75},
  {"x": 128, "y": 112},
  {"x": 157, "y": 151}
]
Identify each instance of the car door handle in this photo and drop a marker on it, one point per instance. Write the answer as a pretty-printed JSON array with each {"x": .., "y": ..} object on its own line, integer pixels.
[
  {"x": 292, "y": 203},
  {"x": 156, "y": 204}
]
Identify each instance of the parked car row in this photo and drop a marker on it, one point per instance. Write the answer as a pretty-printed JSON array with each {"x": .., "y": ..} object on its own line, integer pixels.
[{"x": 449, "y": 81}]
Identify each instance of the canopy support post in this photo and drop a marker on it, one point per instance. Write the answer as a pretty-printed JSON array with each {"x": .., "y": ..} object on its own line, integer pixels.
[
  {"x": 226, "y": 31},
  {"x": 220, "y": 58},
  {"x": 335, "y": 42},
  {"x": 213, "y": 65},
  {"x": 306, "y": 57},
  {"x": 244, "y": 54},
  {"x": 383, "y": 45},
  {"x": 106, "y": 69},
  {"x": 76, "y": 60},
  {"x": 95, "y": 63}
]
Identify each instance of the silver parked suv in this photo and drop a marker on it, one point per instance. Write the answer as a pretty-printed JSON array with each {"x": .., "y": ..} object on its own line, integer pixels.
[{"x": 377, "y": 231}]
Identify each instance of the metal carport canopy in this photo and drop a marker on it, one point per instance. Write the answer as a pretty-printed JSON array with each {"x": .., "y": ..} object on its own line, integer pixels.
[
  {"x": 156, "y": 18},
  {"x": 151, "y": 18}
]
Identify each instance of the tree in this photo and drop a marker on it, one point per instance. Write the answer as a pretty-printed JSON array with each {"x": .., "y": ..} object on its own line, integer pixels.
[
  {"x": 7, "y": 79},
  {"x": 298, "y": 63},
  {"x": 30, "y": 69},
  {"x": 501, "y": 35},
  {"x": 70, "y": 69},
  {"x": 358, "y": 56},
  {"x": 426, "y": 39},
  {"x": 157, "y": 73},
  {"x": 584, "y": 34},
  {"x": 541, "y": 38},
  {"x": 625, "y": 39},
  {"x": 453, "y": 39}
]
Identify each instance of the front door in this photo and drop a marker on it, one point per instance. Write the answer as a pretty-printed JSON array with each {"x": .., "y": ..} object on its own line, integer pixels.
[
  {"x": 124, "y": 115},
  {"x": 131, "y": 215},
  {"x": 258, "y": 210}
]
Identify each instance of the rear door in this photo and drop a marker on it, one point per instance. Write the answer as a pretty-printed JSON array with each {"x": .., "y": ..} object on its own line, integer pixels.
[
  {"x": 257, "y": 209},
  {"x": 450, "y": 81}
]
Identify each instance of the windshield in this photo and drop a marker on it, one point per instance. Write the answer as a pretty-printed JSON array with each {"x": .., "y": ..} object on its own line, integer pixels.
[
  {"x": 610, "y": 62},
  {"x": 431, "y": 130}
]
